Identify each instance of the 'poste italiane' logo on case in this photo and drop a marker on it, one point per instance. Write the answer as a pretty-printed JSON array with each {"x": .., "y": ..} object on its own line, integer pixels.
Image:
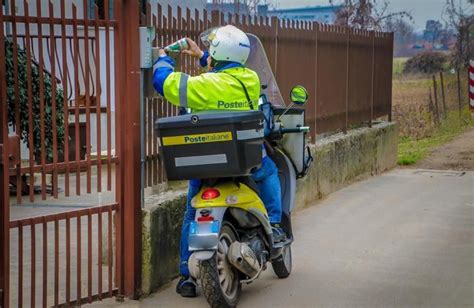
[{"x": 198, "y": 138}]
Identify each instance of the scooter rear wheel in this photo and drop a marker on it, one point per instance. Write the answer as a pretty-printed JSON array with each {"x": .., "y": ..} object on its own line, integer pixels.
[
  {"x": 220, "y": 280},
  {"x": 283, "y": 264}
]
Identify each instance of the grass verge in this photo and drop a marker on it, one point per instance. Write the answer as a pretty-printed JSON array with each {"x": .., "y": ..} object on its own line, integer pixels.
[{"x": 411, "y": 150}]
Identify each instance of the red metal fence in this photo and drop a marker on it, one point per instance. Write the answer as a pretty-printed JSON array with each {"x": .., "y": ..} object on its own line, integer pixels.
[
  {"x": 347, "y": 72},
  {"x": 60, "y": 139},
  {"x": 63, "y": 259},
  {"x": 73, "y": 57}
]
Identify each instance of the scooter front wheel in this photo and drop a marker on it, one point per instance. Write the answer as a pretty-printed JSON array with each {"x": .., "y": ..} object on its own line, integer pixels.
[
  {"x": 220, "y": 280},
  {"x": 283, "y": 264}
]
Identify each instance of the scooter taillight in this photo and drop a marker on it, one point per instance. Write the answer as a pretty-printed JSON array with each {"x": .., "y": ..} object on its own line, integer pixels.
[
  {"x": 210, "y": 193},
  {"x": 205, "y": 218}
]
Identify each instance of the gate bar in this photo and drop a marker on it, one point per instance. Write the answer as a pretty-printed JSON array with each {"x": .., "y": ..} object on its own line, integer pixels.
[
  {"x": 19, "y": 183},
  {"x": 87, "y": 80},
  {"x": 130, "y": 211},
  {"x": 41, "y": 102},
  {"x": 65, "y": 102},
  {"x": 4, "y": 179},
  {"x": 30, "y": 102},
  {"x": 20, "y": 265},
  {"x": 33, "y": 264}
]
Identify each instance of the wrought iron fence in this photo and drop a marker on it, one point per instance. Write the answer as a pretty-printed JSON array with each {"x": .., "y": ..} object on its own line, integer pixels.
[
  {"x": 347, "y": 72},
  {"x": 60, "y": 65},
  {"x": 58, "y": 128}
]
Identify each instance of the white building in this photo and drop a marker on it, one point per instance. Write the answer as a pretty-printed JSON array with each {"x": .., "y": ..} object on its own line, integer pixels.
[{"x": 321, "y": 14}]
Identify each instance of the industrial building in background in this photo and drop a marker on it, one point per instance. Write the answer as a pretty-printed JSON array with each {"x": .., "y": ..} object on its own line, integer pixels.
[
  {"x": 322, "y": 14},
  {"x": 233, "y": 7}
]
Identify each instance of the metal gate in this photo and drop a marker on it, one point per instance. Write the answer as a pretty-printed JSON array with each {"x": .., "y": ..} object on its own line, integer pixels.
[{"x": 63, "y": 92}]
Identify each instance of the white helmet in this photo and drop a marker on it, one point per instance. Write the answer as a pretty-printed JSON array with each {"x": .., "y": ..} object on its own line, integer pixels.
[{"x": 227, "y": 43}]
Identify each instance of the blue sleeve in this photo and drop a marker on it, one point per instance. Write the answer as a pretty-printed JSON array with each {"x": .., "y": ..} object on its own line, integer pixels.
[
  {"x": 203, "y": 59},
  {"x": 162, "y": 68}
]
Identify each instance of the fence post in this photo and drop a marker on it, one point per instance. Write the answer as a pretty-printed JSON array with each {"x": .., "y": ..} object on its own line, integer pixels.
[
  {"x": 435, "y": 93},
  {"x": 390, "y": 85},
  {"x": 442, "y": 95},
  {"x": 470, "y": 85},
  {"x": 432, "y": 108},
  {"x": 316, "y": 88},
  {"x": 215, "y": 18},
  {"x": 372, "y": 34},
  {"x": 459, "y": 91},
  {"x": 348, "y": 48},
  {"x": 4, "y": 180},
  {"x": 130, "y": 213}
]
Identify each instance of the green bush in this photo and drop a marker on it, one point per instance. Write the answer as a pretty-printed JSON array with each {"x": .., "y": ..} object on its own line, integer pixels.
[
  {"x": 35, "y": 107},
  {"x": 427, "y": 63}
]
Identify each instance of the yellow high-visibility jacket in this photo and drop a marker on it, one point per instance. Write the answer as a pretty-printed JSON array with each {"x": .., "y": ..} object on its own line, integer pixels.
[{"x": 217, "y": 90}]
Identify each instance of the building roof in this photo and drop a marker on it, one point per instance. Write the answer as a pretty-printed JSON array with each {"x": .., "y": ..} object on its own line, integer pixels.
[
  {"x": 228, "y": 7},
  {"x": 308, "y": 9}
]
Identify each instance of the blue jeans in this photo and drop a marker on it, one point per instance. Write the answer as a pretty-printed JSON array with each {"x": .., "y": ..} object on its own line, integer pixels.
[{"x": 268, "y": 184}]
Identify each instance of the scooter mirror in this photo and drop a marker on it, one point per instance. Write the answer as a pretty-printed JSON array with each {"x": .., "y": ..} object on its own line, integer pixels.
[{"x": 299, "y": 95}]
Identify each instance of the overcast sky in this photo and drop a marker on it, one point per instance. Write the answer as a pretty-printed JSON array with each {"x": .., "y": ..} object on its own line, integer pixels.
[{"x": 421, "y": 10}]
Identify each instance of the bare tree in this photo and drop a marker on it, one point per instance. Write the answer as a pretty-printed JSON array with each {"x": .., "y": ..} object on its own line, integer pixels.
[
  {"x": 366, "y": 14},
  {"x": 253, "y": 5},
  {"x": 403, "y": 30},
  {"x": 462, "y": 20},
  {"x": 446, "y": 36}
]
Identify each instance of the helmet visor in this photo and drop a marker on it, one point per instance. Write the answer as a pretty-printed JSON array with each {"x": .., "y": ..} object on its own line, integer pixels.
[{"x": 208, "y": 35}]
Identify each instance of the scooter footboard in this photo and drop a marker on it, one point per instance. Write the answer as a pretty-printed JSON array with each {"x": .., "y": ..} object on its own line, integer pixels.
[{"x": 204, "y": 230}]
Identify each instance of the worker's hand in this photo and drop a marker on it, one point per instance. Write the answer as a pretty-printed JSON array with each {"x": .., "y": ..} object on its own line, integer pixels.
[
  {"x": 193, "y": 50},
  {"x": 162, "y": 52}
]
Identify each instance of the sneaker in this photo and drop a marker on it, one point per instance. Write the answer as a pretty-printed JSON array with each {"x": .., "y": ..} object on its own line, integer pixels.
[
  {"x": 186, "y": 287},
  {"x": 278, "y": 234}
]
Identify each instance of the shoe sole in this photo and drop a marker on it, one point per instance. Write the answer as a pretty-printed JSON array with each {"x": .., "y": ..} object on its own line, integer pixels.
[{"x": 189, "y": 295}]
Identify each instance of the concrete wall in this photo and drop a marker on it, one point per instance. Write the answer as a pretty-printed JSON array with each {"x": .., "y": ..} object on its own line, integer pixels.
[
  {"x": 342, "y": 159},
  {"x": 339, "y": 160},
  {"x": 161, "y": 227}
]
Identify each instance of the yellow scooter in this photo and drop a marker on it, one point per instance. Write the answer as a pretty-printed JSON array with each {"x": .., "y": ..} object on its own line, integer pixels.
[{"x": 231, "y": 237}]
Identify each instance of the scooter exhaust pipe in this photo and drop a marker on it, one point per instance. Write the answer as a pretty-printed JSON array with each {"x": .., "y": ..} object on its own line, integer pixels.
[{"x": 244, "y": 259}]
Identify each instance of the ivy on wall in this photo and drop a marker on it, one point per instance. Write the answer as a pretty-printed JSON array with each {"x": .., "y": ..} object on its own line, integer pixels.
[{"x": 35, "y": 98}]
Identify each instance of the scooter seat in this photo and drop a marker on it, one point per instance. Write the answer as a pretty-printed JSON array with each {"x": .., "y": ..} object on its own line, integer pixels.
[{"x": 250, "y": 183}]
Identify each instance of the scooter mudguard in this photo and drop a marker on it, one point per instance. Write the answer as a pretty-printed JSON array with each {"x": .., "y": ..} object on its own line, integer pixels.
[
  {"x": 204, "y": 230},
  {"x": 204, "y": 234}
]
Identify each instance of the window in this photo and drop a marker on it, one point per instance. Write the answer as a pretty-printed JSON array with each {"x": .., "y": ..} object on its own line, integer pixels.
[{"x": 101, "y": 5}]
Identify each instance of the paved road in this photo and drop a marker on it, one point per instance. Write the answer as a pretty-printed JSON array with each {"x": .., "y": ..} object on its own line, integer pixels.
[{"x": 405, "y": 238}]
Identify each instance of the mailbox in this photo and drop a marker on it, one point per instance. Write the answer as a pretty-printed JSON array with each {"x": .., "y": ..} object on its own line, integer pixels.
[{"x": 147, "y": 35}]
